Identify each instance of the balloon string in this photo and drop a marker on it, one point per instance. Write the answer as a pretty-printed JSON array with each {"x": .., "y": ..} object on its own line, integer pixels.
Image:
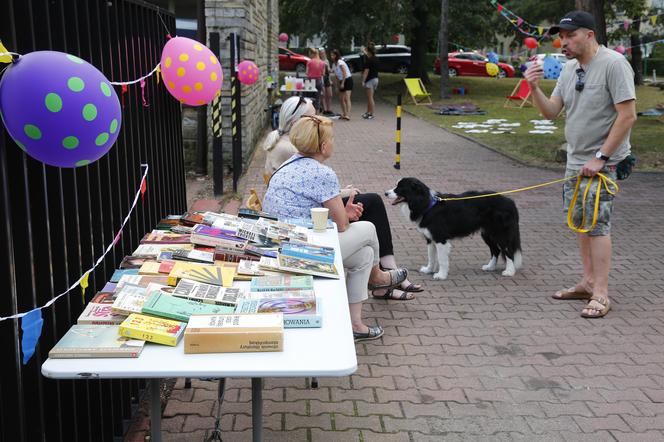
[{"x": 120, "y": 83}]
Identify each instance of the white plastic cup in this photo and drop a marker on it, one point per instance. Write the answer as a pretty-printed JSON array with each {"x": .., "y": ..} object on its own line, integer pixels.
[{"x": 319, "y": 218}]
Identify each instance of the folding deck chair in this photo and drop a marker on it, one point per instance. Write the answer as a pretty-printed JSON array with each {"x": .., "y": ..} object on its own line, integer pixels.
[
  {"x": 520, "y": 95},
  {"x": 417, "y": 91}
]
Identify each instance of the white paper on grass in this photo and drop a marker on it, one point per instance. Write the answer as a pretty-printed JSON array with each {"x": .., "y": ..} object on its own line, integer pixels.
[
  {"x": 477, "y": 131},
  {"x": 545, "y": 128},
  {"x": 495, "y": 121},
  {"x": 540, "y": 131},
  {"x": 541, "y": 122}
]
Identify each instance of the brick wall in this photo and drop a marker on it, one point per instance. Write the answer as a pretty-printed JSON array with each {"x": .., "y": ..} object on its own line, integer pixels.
[{"x": 257, "y": 24}]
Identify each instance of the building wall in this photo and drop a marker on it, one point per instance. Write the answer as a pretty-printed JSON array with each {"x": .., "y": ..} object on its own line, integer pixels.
[{"x": 257, "y": 24}]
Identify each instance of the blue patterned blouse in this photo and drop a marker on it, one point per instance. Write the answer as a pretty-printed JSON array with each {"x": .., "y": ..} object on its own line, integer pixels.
[{"x": 303, "y": 183}]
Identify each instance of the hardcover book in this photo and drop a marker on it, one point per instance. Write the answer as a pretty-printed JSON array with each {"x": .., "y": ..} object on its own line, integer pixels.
[
  {"x": 99, "y": 314},
  {"x": 310, "y": 252},
  {"x": 121, "y": 272},
  {"x": 207, "y": 293},
  {"x": 95, "y": 341},
  {"x": 129, "y": 299},
  {"x": 234, "y": 333},
  {"x": 148, "y": 328},
  {"x": 172, "y": 307},
  {"x": 281, "y": 283},
  {"x": 297, "y": 312}
]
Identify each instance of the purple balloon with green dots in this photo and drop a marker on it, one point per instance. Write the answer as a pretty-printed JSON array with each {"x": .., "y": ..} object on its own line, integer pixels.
[{"x": 59, "y": 108}]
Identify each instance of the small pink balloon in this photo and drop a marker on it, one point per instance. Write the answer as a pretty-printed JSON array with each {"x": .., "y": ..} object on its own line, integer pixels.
[
  {"x": 283, "y": 37},
  {"x": 620, "y": 49},
  {"x": 192, "y": 73},
  {"x": 247, "y": 72},
  {"x": 530, "y": 43}
]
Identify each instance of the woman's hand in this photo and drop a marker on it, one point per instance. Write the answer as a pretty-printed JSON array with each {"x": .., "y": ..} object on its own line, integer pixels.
[
  {"x": 349, "y": 190},
  {"x": 354, "y": 211}
]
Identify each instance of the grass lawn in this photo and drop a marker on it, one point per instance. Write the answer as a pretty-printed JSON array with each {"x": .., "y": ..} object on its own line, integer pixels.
[{"x": 536, "y": 149}]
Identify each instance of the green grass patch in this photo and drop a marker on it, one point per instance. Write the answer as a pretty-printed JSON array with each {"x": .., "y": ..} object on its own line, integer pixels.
[{"x": 535, "y": 149}]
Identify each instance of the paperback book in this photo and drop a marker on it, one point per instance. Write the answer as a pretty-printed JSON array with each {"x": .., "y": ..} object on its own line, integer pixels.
[
  {"x": 306, "y": 267},
  {"x": 133, "y": 262},
  {"x": 129, "y": 299},
  {"x": 119, "y": 273},
  {"x": 280, "y": 283},
  {"x": 148, "y": 328},
  {"x": 297, "y": 312},
  {"x": 234, "y": 333},
  {"x": 217, "y": 274},
  {"x": 209, "y": 236},
  {"x": 305, "y": 222},
  {"x": 100, "y": 314},
  {"x": 192, "y": 218},
  {"x": 309, "y": 252},
  {"x": 194, "y": 256},
  {"x": 172, "y": 307},
  {"x": 153, "y": 250},
  {"x": 165, "y": 237},
  {"x": 142, "y": 280},
  {"x": 95, "y": 341},
  {"x": 301, "y": 294},
  {"x": 207, "y": 293}
]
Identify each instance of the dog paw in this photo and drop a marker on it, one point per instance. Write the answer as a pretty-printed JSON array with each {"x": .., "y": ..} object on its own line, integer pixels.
[
  {"x": 489, "y": 267},
  {"x": 509, "y": 272},
  {"x": 426, "y": 269},
  {"x": 440, "y": 276}
]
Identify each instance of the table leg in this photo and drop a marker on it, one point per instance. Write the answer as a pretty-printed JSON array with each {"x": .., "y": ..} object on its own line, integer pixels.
[
  {"x": 257, "y": 409},
  {"x": 155, "y": 410}
]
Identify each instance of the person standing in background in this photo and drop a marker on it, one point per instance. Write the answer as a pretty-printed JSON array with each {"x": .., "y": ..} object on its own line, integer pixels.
[
  {"x": 327, "y": 84},
  {"x": 342, "y": 73},
  {"x": 315, "y": 71},
  {"x": 370, "y": 78}
]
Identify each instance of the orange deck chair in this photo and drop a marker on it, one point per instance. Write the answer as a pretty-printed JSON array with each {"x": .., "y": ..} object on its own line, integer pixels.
[{"x": 520, "y": 96}]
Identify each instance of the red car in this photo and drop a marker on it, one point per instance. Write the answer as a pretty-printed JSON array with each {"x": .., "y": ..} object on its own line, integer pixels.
[
  {"x": 471, "y": 63},
  {"x": 291, "y": 61}
]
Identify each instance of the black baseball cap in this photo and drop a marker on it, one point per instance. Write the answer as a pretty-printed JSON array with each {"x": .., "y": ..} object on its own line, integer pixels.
[{"x": 574, "y": 20}]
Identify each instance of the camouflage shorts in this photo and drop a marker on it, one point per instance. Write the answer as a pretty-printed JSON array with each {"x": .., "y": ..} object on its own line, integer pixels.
[{"x": 603, "y": 226}]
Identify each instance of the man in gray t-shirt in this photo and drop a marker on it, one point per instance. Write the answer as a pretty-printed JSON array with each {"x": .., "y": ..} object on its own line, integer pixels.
[{"x": 596, "y": 89}]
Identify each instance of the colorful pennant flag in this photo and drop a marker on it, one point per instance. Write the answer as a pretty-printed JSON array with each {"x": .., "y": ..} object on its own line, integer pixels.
[
  {"x": 4, "y": 58},
  {"x": 31, "y": 324}
]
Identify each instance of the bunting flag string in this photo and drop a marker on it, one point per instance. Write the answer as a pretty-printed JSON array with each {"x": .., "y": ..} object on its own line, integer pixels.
[
  {"x": 531, "y": 30},
  {"x": 83, "y": 279}
]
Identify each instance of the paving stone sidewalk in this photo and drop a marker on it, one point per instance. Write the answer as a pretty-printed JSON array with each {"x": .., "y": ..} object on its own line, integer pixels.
[{"x": 478, "y": 356}]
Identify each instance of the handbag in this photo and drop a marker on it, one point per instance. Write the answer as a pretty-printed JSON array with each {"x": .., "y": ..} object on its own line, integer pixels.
[{"x": 625, "y": 167}]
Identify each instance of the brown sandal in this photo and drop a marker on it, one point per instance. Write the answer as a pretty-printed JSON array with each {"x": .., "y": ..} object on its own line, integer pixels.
[
  {"x": 598, "y": 303},
  {"x": 570, "y": 293}
]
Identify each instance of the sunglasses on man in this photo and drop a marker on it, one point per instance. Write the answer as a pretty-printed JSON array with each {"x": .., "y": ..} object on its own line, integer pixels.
[{"x": 580, "y": 79}]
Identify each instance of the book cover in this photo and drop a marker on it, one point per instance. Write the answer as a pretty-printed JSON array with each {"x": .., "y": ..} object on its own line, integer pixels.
[
  {"x": 166, "y": 266},
  {"x": 297, "y": 312},
  {"x": 309, "y": 252},
  {"x": 172, "y": 307},
  {"x": 209, "y": 236},
  {"x": 281, "y": 283},
  {"x": 194, "y": 256},
  {"x": 120, "y": 272},
  {"x": 103, "y": 298},
  {"x": 157, "y": 330},
  {"x": 261, "y": 251},
  {"x": 207, "y": 293},
  {"x": 109, "y": 287},
  {"x": 251, "y": 268},
  {"x": 99, "y": 314},
  {"x": 150, "y": 268},
  {"x": 217, "y": 274},
  {"x": 165, "y": 237},
  {"x": 305, "y": 222},
  {"x": 132, "y": 262},
  {"x": 142, "y": 280},
  {"x": 192, "y": 218},
  {"x": 153, "y": 250},
  {"x": 253, "y": 214},
  {"x": 302, "y": 294},
  {"x": 234, "y": 333},
  {"x": 306, "y": 267},
  {"x": 95, "y": 341},
  {"x": 129, "y": 299},
  {"x": 182, "y": 229}
]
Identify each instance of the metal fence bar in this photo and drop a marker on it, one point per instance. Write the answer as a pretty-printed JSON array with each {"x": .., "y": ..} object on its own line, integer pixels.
[{"x": 56, "y": 222}]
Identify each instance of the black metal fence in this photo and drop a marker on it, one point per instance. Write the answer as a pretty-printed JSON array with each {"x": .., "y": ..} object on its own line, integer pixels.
[{"x": 55, "y": 223}]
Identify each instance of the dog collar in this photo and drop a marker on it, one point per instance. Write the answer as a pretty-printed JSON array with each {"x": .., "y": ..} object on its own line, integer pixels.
[{"x": 433, "y": 202}]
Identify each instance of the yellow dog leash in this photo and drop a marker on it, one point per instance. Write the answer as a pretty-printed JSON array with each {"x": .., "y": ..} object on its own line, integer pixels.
[{"x": 604, "y": 181}]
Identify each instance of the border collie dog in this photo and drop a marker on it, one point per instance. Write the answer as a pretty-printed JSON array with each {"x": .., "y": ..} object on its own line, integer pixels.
[{"x": 496, "y": 217}]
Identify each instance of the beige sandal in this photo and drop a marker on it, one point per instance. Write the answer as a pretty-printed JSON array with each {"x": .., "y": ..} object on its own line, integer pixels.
[{"x": 599, "y": 304}]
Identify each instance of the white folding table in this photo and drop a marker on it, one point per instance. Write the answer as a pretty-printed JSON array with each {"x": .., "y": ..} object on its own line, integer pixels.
[{"x": 328, "y": 351}]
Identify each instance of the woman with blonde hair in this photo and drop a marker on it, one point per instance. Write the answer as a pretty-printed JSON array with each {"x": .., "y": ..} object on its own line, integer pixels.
[
  {"x": 315, "y": 71},
  {"x": 304, "y": 182},
  {"x": 343, "y": 74}
]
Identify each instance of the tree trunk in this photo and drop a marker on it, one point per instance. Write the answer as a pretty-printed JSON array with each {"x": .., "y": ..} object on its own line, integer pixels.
[
  {"x": 596, "y": 8},
  {"x": 443, "y": 40},
  {"x": 637, "y": 58},
  {"x": 418, "y": 43}
]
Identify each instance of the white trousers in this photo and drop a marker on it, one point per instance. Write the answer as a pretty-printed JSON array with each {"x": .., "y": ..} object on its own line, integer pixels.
[{"x": 359, "y": 251}]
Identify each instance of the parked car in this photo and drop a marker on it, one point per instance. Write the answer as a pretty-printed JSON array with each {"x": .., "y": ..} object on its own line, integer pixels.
[
  {"x": 471, "y": 63},
  {"x": 292, "y": 61},
  {"x": 560, "y": 57},
  {"x": 391, "y": 58}
]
